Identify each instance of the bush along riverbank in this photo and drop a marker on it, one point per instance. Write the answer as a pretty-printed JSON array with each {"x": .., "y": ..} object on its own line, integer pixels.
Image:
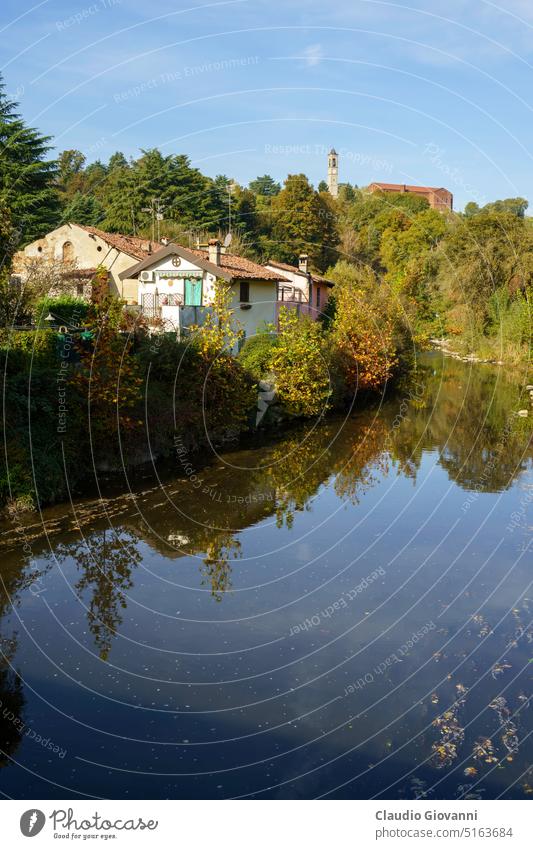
[{"x": 114, "y": 396}]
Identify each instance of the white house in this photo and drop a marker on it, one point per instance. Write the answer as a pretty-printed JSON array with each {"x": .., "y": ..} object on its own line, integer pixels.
[
  {"x": 302, "y": 289},
  {"x": 81, "y": 250},
  {"x": 176, "y": 283}
]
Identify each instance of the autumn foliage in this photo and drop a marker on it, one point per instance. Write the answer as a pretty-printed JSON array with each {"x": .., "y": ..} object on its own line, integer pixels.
[
  {"x": 108, "y": 377},
  {"x": 300, "y": 366}
]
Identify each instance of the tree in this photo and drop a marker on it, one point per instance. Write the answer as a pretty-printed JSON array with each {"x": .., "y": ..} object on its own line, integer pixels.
[
  {"x": 185, "y": 194},
  {"x": 117, "y": 160},
  {"x": 363, "y": 332},
  {"x": 15, "y": 302},
  {"x": 303, "y": 222},
  {"x": 516, "y": 206},
  {"x": 323, "y": 186},
  {"x": 26, "y": 175},
  {"x": 222, "y": 389},
  {"x": 8, "y": 237},
  {"x": 265, "y": 186},
  {"x": 471, "y": 208},
  {"x": 299, "y": 366},
  {"x": 83, "y": 209},
  {"x": 70, "y": 175},
  {"x": 109, "y": 378}
]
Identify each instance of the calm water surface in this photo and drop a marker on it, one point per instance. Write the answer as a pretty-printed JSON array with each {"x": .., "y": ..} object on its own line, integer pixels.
[{"x": 344, "y": 612}]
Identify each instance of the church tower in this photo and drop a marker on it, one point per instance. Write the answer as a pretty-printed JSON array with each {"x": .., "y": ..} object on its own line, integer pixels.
[{"x": 333, "y": 173}]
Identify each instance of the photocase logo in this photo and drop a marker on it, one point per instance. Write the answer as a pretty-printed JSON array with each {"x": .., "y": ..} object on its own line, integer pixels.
[{"x": 32, "y": 822}]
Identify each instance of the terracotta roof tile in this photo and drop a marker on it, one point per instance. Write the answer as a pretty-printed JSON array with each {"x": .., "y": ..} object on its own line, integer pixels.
[
  {"x": 131, "y": 245},
  {"x": 402, "y": 187},
  {"x": 240, "y": 267}
]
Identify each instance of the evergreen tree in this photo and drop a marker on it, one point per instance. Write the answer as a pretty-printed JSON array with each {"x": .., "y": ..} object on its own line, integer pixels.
[
  {"x": 187, "y": 196},
  {"x": 83, "y": 209},
  {"x": 26, "y": 175},
  {"x": 304, "y": 223},
  {"x": 265, "y": 186},
  {"x": 8, "y": 237}
]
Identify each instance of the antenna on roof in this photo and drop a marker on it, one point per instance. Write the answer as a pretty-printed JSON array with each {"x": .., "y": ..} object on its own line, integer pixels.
[{"x": 227, "y": 240}]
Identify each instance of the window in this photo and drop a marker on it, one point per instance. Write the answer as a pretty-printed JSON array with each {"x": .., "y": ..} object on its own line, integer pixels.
[
  {"x": 244, "y": 295},
  {"x": 318, "y": 297},
  {"x": 68, "y": 252},
  {"x": 79, "y": 289}
]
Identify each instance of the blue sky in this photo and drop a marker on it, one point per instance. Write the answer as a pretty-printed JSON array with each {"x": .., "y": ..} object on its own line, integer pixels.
[{"x": 429, "y": 92}]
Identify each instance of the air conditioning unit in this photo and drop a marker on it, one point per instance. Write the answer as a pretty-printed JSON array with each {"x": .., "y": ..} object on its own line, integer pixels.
[{"x": 147, "y": 276}]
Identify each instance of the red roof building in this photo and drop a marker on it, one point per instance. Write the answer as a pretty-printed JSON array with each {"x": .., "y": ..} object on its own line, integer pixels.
[{"x": 438, "y": 198}]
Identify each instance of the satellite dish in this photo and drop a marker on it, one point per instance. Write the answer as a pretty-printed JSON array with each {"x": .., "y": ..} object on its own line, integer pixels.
[{"x": 227, "y": 240}]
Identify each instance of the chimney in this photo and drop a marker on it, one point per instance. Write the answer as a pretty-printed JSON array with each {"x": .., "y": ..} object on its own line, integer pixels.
[
  {"x": 303, "y": 263},
  {"x": 214, "y": 251}
]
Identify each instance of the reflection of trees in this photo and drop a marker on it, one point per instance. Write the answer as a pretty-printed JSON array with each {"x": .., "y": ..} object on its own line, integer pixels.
[
  {"x": 468, "y": 417},
  {"x": 15, "y": 578},
  {"x": 349, "y": 450},
  {"x": 106, "y": 560},
  {"x": 216, "y": 569},
  {"x": 11, "y": 704},
  {"x": 358, "y": 472}
]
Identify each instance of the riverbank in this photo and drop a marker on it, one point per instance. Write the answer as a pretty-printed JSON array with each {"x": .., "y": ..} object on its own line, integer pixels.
[{"x": 452, "y": 348}]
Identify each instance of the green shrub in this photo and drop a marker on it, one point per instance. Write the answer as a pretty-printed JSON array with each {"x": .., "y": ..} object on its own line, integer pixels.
[
  {"x": 25, "y": 350},
  {"x": 256, "y": 354},
  {"x": 66, "y": 309}
]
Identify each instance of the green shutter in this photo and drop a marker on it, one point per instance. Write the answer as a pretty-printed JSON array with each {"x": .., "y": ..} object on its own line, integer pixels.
[{"x": 193, "y": 293}]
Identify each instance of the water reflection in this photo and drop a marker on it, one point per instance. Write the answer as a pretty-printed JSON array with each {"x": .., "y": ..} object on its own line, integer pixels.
[
  {"x": 11, "y": 703},
  {"x": 105, "y": 560},
  {"x": 287, "y": 527}
]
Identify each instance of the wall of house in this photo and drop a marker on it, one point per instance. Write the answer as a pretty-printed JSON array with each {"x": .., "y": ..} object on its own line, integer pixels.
[
  {"x": 301, "y": 282},
  {"x": 87, "y": 251},
  {"x": 262, "y": 297}
]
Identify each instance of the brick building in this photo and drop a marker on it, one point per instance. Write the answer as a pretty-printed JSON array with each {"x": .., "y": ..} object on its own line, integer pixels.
[{"x": 438, "y": 198}]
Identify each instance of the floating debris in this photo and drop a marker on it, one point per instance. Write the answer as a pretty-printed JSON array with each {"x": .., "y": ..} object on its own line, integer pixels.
[
  {"x": 509, "y": 736},
  {"x": 485, "y": 627},
  {"x": 420, "y": 789},
  {"x": 499, "y": 669},
  {"x": 444, "y": 751},
  {"x": 470, "y": 770},
  {"x": 466, "y": 791},
  {"x": 484, "y": 751}
]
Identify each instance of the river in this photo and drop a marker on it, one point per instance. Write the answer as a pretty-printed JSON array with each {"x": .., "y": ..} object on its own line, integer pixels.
[{"x": 342, "y": 612}]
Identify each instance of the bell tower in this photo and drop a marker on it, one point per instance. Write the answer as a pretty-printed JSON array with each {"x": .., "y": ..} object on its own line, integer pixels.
[{"x": 333, "y": 173}]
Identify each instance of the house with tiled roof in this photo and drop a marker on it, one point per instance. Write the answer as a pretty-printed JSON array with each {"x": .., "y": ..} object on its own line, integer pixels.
[
  {"x": 303, "y": 289},
  {"x": 80, "y": 250},
  {"x": 438, "y": 198},
  {"x": 176, "y": 286}
]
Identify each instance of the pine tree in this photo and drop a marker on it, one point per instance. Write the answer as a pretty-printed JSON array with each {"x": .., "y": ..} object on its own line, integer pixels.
[
  {"x": 265, "y": 186},
  {"x": 83, "y": 209},
  {"x": 26, "y": 175}
]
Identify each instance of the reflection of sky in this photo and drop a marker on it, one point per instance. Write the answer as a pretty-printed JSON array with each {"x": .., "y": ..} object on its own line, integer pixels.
[{"x": 429, "y": 548}]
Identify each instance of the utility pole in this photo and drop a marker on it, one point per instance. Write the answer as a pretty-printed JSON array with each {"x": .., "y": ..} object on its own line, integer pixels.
[
  {"x": 159, "y": 216},
  {"x": 230, "y": 189},
  {"x": 156, "y": 213}
]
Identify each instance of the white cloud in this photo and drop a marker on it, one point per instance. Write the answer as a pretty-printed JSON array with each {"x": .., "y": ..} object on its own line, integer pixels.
[{"x": 313, "y": 55}]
